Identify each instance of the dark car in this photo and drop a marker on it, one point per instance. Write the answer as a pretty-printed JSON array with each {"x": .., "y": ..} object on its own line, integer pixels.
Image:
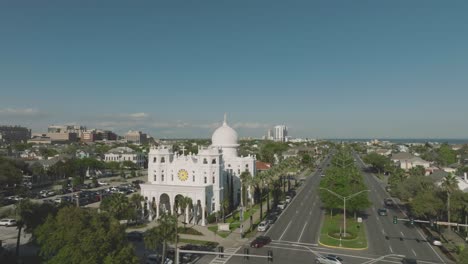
[
  {"x": 408, "y": 261},
  {"x": 382, "y": 211},
  {"x": 388, "y": 202},
  {"x": 260, "y": 241},
  {"x": 271, "y": 219},
  {"x": 135, "y": 236}
]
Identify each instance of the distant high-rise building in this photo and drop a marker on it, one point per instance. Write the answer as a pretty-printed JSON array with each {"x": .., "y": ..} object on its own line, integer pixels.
[
  {"x": 281, "y": 132},
  {"x": 10, "y": 134},
  {"x": 136, "y": 137},
  {"x": 270, "y": 134}
]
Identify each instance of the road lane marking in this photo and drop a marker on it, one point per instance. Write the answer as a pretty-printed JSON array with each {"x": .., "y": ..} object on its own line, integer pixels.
[
  {"x": 284, "y": 232},
  {"x": 383, "y": 232},
  {"x": 414, "y": 253},
  {"x": 310, "y": 213},
  {"x": 391, "y": 250},
  {"x": 297, "y": 211},
  {"x": 401, "y": 232},
  {"x": 302, "y": 232},
  {"x": 302, "y": 203}
]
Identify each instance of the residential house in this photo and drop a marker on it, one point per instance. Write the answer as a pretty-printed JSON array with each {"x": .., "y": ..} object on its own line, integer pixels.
[
  {"x": 121, "y": 154},
  {"x": 407, "y": 161}
]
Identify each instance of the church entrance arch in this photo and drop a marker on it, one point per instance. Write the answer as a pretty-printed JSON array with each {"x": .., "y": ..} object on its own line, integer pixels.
[{"x": 165, "y": 204}]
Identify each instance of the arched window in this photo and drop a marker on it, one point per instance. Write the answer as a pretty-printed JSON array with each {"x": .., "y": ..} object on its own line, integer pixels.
[
  {"x": 213, "y": 179},
  {"x": 193, "y": 178},
  {"x": 154, "y": 160},
  {"x": 162, "y": 177},
  {"x": 205, "y": 161},
  {"x": 163, "y": 160},
  {"x": 155, "y": 179},
  {"x": 205, "y": 179},
  {"x": 213, "y": 161}
]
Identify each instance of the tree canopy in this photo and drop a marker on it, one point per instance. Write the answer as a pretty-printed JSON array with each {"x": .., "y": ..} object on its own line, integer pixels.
[{"x": 77, "y": 235}]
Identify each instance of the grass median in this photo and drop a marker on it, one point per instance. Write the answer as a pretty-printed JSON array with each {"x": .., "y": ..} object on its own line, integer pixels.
[{"x": 330, "y": 233}]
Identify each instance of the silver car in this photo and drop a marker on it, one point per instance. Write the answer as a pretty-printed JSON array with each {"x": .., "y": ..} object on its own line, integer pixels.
[{"x": 329, "y": 259}]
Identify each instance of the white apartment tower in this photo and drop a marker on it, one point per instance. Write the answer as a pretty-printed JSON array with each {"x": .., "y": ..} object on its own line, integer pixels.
[{"x": 281, "y": 132}]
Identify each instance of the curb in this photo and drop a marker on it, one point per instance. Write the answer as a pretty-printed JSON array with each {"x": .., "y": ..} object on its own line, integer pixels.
[{"x": 328, "y": 246}]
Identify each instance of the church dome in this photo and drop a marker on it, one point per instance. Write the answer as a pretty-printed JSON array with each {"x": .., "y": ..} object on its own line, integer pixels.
[{"x": 224, "y": 136}]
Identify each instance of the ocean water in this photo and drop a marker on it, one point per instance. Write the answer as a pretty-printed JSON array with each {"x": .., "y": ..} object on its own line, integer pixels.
[{"x": 451, "y": 141}]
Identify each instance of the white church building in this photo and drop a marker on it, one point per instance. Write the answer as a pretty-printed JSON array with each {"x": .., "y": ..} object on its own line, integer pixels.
[{"x": 207, "y": 178}]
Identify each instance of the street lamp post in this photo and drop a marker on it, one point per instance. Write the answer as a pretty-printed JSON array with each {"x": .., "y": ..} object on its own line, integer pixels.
[{"x": 344, "y": 204}]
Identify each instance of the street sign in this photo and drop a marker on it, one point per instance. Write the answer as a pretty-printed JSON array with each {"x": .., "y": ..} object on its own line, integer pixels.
[{"x": 359, "y": 220}]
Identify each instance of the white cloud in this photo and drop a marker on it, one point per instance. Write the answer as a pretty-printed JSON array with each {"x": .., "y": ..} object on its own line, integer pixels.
[
  {"x": 250, "y": 125},
  {"x": 140, "y": 115},
  {"x": 19, "y": 112}
]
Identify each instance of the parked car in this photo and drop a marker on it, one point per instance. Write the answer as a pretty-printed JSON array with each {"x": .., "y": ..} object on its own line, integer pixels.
[
  {"x": 102, "y": 183},
  {"x": 263, "y": 226},
  {"x": 434, "y": 240},
  {"x": 329, "y": 259},
  {"x": 8, "y": 222},
  {"x": 156, "y": 259},
  {"x": 382, "y": 211},
  {"x": 260, "y": 241},
  {"x": 288, "y": 199},
  {"x": 271, "y": 219},
  {"x": 282, "y": 205}
]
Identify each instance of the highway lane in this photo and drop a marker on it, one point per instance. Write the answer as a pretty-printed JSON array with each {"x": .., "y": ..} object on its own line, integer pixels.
[
  {"x": 298, "y": 223},
  {"x": 404, "y": 238}
]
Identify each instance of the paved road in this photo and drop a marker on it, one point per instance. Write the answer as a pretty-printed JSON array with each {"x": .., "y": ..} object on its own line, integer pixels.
[
  {"x": 295, "y": 234},
  {"x": 404, "y": 238}
]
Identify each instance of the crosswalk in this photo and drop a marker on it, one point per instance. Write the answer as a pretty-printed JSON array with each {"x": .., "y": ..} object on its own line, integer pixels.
[{"x": 226, "y": 257}]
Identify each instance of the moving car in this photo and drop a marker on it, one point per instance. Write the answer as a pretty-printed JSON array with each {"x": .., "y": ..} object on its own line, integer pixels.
[
  {"x": 382, "y": 211},
  {"x": 329, "y": 259},
  {"x": 8, "y": 222},
  {"x": 434, "y": 240},
  {"x": 388, "y": 202},
  {"x": 260, "y": 241},
  {"x": 408, "y": 261},
  {"x": 263, "y": 226}
]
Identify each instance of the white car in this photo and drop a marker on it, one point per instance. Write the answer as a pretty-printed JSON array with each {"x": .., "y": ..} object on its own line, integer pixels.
[
  {"x": 288, "y": 199},
  {"x": 282, "y": 205},
  {"x": 329, "y": 259},
  {"x": 7, "y": 222},
  {"x": 434, "y": 241},
  {"x": 102, "y": 183},
  {"x": 263, "y": 226}
]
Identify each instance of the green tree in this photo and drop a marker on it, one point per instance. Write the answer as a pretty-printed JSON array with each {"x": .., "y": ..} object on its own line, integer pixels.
[
  {"x": 117, "y": 205},
  {"x": 135, "y": 200},
  {"x": 377, "y": 161},
  {"x": 77, "y": 235},
  {"x": 463, "y": 257},
  {"x": 9, "y": 173},
  {"x": 446, "y": 155},
  {"x": 426, "y": 204},
  {"x": 449, "y": 184},
  {"x": 164, "y": 233},
  {"x": 417, "y": 171}
]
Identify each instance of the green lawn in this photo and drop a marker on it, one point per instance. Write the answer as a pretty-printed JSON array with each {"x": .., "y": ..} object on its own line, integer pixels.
[
  {"x": 222, "y": 234},
  {"x": 329, "y": 234}
]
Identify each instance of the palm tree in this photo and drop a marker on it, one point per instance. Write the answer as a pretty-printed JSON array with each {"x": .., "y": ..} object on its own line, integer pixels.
[
  {"x": 164, "y": 233},
  {"x": 245, "y": 179},
  {"x": 136, "y": 200},
  {"x": 184, "y": 203},
  {"x": 449, "y": 184},
  {"x": 117, "y": 205},
  {"x": 225, "y": 207}
]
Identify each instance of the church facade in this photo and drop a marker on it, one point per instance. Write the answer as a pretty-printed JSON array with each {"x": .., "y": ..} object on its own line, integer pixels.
[{"x": 208, "y": 178}]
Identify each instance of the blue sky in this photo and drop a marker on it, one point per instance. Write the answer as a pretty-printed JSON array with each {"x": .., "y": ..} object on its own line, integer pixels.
[{"x": 346, "y": 69}]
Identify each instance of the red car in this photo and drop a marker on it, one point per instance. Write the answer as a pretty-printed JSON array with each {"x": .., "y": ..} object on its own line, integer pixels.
[{"x": 260, "y": 241}]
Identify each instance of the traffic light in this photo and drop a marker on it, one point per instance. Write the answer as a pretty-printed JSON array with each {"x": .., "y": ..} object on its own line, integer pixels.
[
  {"x": 411, "y": 220},
  {"x": 221, "y": 250},
  {"x": 395, "y": 220},
  {"x": 246, "y": 252},
  {"x": 270, "y": 256}
]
